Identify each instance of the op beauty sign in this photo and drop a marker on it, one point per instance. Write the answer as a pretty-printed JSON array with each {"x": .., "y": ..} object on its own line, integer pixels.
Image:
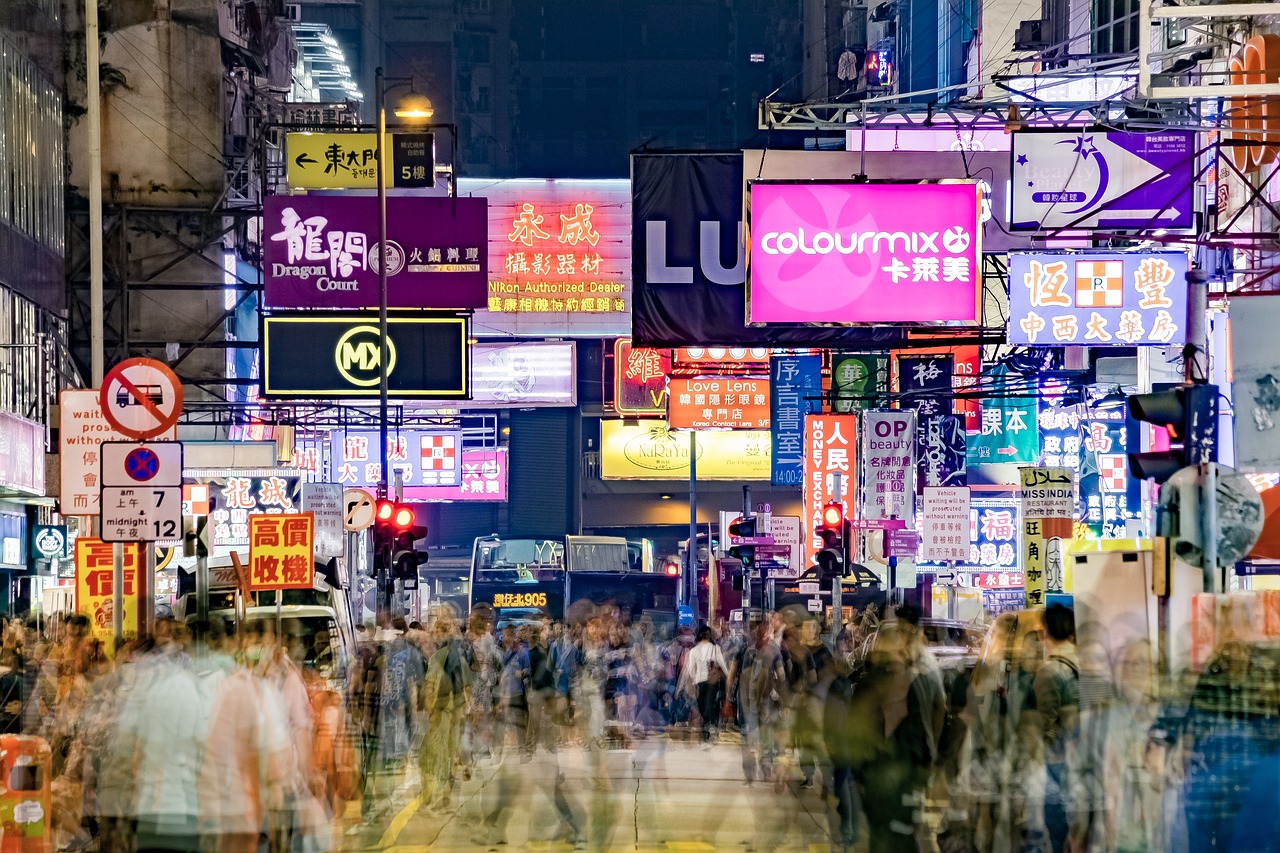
[{"x": 864, "y": 253}]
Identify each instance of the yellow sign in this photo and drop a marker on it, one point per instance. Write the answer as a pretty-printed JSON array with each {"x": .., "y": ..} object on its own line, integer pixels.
[
  {"x": 1033, "y": 558},
  {"x": 95, "y": 579},
  {"x": 653, "y": 452},
  {"x": 281, "y": 551},
  {"x": 334, "y": 161},
  {"x": 519, "y": 599}
]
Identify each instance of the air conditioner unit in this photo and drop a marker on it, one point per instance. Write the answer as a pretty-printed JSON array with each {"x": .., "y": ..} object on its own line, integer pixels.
[{"x": 1030, "y": 36}]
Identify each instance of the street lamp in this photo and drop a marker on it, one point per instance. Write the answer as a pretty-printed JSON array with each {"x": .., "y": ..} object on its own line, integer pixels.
[{"x": 413, "y": 107}]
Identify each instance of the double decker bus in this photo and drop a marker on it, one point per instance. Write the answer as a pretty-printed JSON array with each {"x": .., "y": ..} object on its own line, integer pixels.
[{"x": 526, "y": 579}]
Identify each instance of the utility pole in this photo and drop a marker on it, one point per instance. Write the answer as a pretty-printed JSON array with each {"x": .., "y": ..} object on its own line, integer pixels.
[
  {"x": 1195, "y": 371},
  {"x": 691, "y": 553},
  {"x": 837, "y": 582}
]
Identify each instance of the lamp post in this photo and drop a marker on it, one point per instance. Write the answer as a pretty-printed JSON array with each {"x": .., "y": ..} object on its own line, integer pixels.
[{"x": 417, "y": 107}]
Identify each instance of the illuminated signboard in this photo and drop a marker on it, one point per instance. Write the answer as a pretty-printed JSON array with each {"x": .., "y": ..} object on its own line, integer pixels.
[
  {"x": 484, "y": 478},
  {"x": 640, "y": 378},
  {"x": 559, "y": 256},
  {"x": 1097, "y": 298},
  {"x": 422, "y": 458},
  {"x": 533, "y": 373},
  {"x": 653, "y": 452},
  {"x": 864, "y": 253},
  {"x": 718, "y": 401},
  {"x": 722, "y": 355},
  {"x": 831, "y": 448}
]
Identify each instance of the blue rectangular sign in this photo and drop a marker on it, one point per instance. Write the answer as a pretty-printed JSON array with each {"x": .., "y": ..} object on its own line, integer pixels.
[
  {"x": 1117, "y": 299},
  {"x": 796, "y": 392}
]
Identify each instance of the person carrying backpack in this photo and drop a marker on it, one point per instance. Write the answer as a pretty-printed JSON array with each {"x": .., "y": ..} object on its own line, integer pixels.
[{"x": 1057, "y": 697}]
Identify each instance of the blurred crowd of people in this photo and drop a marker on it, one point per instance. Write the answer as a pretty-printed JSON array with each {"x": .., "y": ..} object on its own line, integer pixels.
[{"x": 205, "y": 738}]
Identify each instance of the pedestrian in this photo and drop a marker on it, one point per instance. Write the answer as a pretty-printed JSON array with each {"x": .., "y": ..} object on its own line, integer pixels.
[
  {"x": 703, "y": 678},
  {"x": 1055, "y": 719}
]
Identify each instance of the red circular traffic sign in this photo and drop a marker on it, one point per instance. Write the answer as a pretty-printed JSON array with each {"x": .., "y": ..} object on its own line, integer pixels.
[
  {"x": 142, "y": 464},
  {"x": 141, "y": 398}
]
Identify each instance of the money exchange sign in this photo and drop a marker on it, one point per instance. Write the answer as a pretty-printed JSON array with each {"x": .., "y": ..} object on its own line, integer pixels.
[
  {"x": 797, "y": 391},
  {"x": 831, "y": 448}
]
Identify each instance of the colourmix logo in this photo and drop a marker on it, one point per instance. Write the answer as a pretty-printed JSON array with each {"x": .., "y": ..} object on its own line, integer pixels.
[{"x": 850, "y": 253}]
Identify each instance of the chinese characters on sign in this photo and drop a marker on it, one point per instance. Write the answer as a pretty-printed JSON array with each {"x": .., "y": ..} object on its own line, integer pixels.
[
  {"x": 993, "y": 541},
  {"x": 944, "y": 524},
  {"x": 925, "y": 382},
  {"x": 941, "y": 443},
  {"x": 718, "y": 401},
  {"x": 797, "y": 391},
  {"x": 82, "y": 431},
  {"x": 831, "y": 448},
  {"x": 863, "y": 253},
  {"x": 322, "y": 252},
  {"x": 560, "y": 247},
  {"x": 1009, "y": 423},
  {"x": 281, "y": 551},
  {"x": 859, "y": 381},
  {"x": 640, "y": 378},
  {"x": 888, "y": 459},
  {"x": 238, "y": 497},
  {"x": 421, "y": 458},
  {"x": 95, "y": 576},
  {"x": 342, "y": 161},
  {"x": 1097, "y": 298},
  {"x": 1033, "y": 548}
]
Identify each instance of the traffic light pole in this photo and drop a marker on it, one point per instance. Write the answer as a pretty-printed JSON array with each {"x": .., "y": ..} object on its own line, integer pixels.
[
  {"x": 837, "y": 600},
  {"x": 691, "y": 553}
]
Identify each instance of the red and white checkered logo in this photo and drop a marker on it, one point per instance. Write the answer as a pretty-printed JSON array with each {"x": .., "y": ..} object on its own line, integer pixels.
[
  {"x": 1112, "y": 473},
  {"x": 1099, "y": 284},
  {"x": 440, "y": 457}
]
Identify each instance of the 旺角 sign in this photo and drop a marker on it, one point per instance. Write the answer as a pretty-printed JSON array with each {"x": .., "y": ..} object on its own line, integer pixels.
[
  {"x": 863, "y": 253},
  {"x": 1097, "y": 298},
  {"x": 421, "y": 457},
  {"x": 281, "y": 551},
  {"x": 95, "y": 585},
  {"x": 888, "y": 463},
  {"x": 831, "y": 448},
  {"x": 718, "y": 402},
  {"x": 346, "y": 161},
  {"x": 321, "y": 251},
  {"x": 797, "y": 391},
  {"x": 640, "y": 378}
]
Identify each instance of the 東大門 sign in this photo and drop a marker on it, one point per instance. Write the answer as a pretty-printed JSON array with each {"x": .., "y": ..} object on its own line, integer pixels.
[{"x": 347, "y": 161}]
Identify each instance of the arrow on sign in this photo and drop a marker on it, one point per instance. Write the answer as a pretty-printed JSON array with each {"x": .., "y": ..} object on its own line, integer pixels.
[
  {"x": 302, "y": 160},
  {"x": 1007, "y": 451}
]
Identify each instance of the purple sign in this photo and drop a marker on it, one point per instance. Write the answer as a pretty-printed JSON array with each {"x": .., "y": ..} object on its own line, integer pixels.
[
  {"x": 1097, "y": 298},
  {"x": 903, "y": 543},
  {"x": 322, "y": 252},
  {"x": 1102, "y": 179}
]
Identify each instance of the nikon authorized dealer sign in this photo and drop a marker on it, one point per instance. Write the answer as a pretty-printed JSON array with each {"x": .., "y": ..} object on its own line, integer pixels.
[{"x": 338, "y": 356}]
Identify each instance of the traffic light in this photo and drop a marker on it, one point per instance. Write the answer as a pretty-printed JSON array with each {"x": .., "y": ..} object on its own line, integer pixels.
[
  {"x": 394, "y": 533},
  {"x": 1190, "y": 415},
  {"x": 831, "y": 562},
  {"x": 746, "y": 554}
]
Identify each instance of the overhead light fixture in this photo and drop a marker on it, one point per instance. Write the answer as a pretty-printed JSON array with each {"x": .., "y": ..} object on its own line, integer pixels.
[{"x": 415, "y": 107}]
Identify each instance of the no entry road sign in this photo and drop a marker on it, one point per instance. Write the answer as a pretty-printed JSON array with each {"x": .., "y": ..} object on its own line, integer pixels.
[{"x": 141, "y": 398}]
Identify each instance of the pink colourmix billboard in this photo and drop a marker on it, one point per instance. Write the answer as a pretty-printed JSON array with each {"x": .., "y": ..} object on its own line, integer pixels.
[{"x": 864, "y": 253}]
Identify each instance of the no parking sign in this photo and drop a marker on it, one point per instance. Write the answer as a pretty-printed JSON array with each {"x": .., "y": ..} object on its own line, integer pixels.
[{"x": 141, "y": 398}]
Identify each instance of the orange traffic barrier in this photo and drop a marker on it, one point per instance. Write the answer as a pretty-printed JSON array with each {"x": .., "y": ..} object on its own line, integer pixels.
[{"x": 26, "y": 800}]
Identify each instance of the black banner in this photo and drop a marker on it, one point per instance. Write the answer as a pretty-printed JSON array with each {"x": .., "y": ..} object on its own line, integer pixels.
[
  {"x": 688, "y": 261},
  {"x": 338, "y": 355}
]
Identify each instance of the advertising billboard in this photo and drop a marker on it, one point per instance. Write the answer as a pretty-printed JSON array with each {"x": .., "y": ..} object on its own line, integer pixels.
[
  {"x": 640, "y": 378},
  {"x": 727, "y": 402},
  {"x": 321, "y": 251},
  {"x": 531, "y": 373},
  {"x": 831, "y": 448},
  {"x": 654, "y": 452},
  {"x": 1102, "y": 179},
  {"x": 339, "y": 356},
  {"x": 864, "y": 253},
  {"x": 689, "y": 264},
  {"x": 559, "y": 257},
  {"x": 420, "y": 457},
  {"x": 1097, "y": 298}
]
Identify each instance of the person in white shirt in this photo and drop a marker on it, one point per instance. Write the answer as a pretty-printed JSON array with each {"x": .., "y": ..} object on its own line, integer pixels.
[{"x": 703, "y": 678}]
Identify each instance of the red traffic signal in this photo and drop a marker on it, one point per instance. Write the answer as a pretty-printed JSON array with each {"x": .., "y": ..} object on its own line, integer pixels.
[
  {"x": 384, "y": 510},
  {"x": 673, "y": 569},
  {"x": 833, "y": 515}
]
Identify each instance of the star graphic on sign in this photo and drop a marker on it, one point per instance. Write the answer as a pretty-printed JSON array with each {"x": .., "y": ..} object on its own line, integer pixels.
[
  {"x": 1022, "y": 159},
  {"x": 1084, "y": 147}
]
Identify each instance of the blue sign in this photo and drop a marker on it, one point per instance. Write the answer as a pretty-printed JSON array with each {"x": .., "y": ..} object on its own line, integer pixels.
[
  {"x": 796, "y": 392},
  {"x": 940, "y": 451},
  {"x": 1105, "y": 299}
]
